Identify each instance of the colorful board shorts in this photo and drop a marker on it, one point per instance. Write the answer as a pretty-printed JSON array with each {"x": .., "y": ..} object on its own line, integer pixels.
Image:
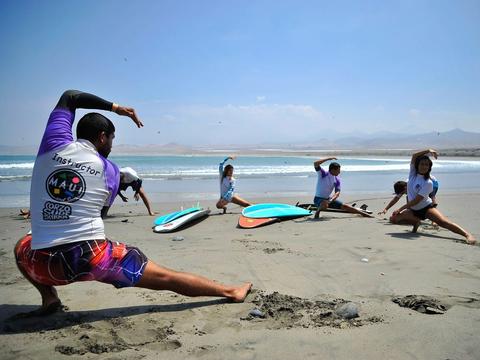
[
  {"x": 335, "y": 204},
  {"x": 102, "y": 260}
]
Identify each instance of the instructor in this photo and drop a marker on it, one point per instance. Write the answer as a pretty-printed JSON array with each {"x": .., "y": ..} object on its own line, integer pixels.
[{"x": 71, "y": 182}]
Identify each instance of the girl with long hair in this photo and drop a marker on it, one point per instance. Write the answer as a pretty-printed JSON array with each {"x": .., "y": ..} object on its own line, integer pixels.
[{"x": 419, "y": 205}]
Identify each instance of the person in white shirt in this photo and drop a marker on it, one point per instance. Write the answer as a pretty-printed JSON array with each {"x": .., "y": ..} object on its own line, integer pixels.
[
  {"x": 227, "y": 187},
  {"x": 129, "y": 177},
  {"x": 328, "y": 182},
  {"x": 400, "y": 189},
  {"x": 419, "y": 205}
]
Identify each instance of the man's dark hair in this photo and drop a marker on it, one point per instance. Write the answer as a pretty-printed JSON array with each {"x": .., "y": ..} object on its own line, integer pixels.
[
  {"x": 333, "y": 166},
  {"x": 92, "y": 124},
  {"x": 399, "y": 187}
]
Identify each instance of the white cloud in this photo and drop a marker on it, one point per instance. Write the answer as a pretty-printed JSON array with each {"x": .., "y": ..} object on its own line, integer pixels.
[{"x": 261, "y": 98}]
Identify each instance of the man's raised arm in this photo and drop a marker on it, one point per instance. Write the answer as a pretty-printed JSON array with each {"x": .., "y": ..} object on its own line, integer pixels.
[
  {"x": 317, "y": 163},
  {"x": 59, "y": 126}
]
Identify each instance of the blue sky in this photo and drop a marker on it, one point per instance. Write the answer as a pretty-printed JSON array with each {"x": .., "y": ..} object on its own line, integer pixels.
[{"x": 231, "y": 72}]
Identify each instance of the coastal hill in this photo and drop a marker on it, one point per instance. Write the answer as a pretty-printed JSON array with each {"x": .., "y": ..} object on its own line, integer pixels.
[{"x": 455, "y": 142}]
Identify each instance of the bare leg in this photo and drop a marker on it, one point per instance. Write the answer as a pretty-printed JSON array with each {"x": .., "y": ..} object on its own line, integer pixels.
[
  {"x": 222, "y": 204},
  {"x": 323, "y": 206},
  {"x": 145, "y": 200},
  {"x": 239, "y": 201},
  {"x": 50, "y": 300},
  {"x": 353, "y": 210},
  {"x": 407, "y": 217},
  {"x": 156, "y": 277},
  {"x": 436, "y": 216}
]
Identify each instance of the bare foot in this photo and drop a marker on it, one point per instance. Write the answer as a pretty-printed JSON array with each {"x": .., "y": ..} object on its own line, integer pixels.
[
  {"x": 25, "y": 213},
  {"x": 43, "y": 310},
  {"x": 224, "y": 210},
  {"x": 151, "y": 213},
  {"x": 239, "y": 294},
  {"x": 471, "y": 240}
]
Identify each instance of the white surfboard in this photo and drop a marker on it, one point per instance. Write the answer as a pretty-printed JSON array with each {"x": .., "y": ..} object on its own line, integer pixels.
[{"x": 175, "y": 224}]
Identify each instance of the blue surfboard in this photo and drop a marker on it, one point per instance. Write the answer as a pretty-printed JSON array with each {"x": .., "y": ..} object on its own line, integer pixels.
[
  {"x": 175, "y": 215},
  {"x": 273, "y": 211}
]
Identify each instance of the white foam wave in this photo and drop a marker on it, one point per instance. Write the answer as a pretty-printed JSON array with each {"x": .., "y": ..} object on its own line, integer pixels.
[
  {"x": 297, "y": 170},
  {"x": 28, "y": 165},
  {"x": 15, "y": 177}
]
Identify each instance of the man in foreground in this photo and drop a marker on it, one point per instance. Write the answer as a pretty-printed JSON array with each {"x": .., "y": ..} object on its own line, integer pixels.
[{"x": 71, "y": 182}]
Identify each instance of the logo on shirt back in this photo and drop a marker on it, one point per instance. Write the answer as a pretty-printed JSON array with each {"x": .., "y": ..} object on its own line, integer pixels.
[{"x": 65, "y": 185}]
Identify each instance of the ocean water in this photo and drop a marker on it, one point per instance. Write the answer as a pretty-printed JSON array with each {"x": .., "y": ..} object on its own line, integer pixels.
[{"x": 195, "y": 178}]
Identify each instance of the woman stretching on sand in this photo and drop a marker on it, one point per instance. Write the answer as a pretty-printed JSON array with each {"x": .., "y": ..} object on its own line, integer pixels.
[
  {"x": 400, "y": 189},
  {"x": 227, "y": 187},
  {"x": 419, "y": 205}
]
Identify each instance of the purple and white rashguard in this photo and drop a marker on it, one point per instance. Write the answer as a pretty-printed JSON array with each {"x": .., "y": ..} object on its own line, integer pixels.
[{"x": 71, "y": 181}]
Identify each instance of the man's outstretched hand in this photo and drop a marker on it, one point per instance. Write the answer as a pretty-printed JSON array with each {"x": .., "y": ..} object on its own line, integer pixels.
[{"x": 130, "y": 112}]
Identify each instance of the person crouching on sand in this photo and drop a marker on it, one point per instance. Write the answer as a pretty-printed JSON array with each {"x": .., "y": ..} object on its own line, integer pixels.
[
  {"x": 71, "y": 182},
  {"x": 227, "y": 187},
  {"x": 419, "y": 205},
  {"x": 400, "y": 189},
  {"x": 327, "y": 182},
  {"x": 129, "y": 178}
]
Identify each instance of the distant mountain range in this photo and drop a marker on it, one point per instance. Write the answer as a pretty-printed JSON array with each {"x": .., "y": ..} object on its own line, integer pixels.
[{"x": 456, "y": 140}]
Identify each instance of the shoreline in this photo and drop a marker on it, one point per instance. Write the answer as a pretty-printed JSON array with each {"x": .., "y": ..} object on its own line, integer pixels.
[{"x": 177, "y": 200}]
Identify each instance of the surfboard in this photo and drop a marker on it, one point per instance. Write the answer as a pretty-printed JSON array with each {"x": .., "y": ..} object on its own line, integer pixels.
[
  {"x": 181, "y": 221},
  {"x": 268, "y": 210},
  {"x": 249, "y": 223},
  {"x": 313, "y": 207},
  {"x": 174, "y": 215}
]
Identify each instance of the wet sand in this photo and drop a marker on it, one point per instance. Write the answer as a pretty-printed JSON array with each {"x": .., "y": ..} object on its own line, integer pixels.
[{"x": 303, "y": 271}]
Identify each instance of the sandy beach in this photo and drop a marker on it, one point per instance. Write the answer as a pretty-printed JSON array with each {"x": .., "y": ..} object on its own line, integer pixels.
[{"x": 302, "y": 270}]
